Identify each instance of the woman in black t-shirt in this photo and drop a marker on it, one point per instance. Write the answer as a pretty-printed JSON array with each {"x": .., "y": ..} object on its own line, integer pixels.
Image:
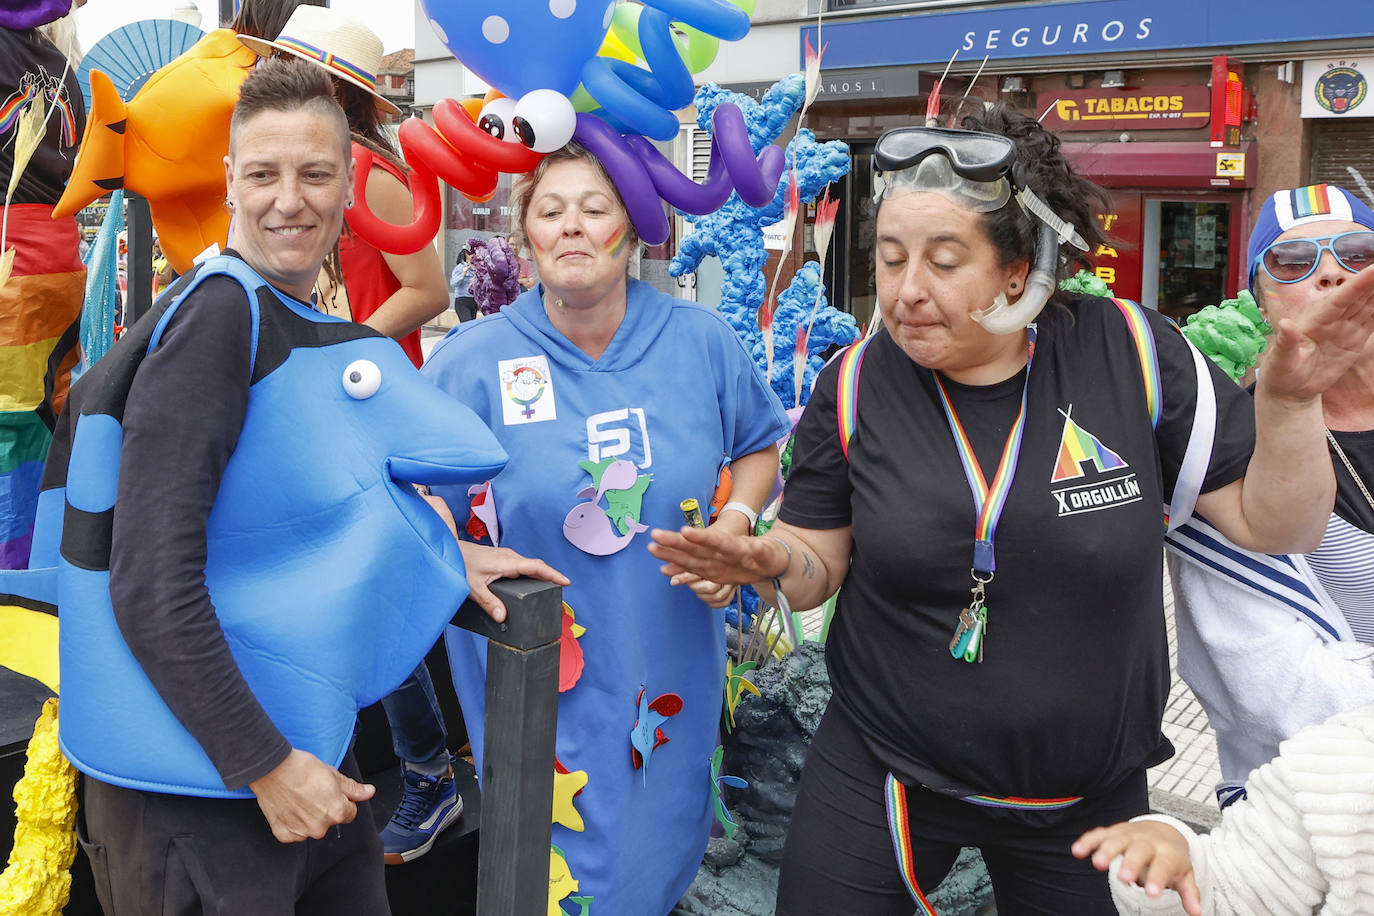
[{"x": 985, "y": 481}]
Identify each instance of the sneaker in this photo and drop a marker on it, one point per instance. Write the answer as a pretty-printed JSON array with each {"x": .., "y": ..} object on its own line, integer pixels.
[{"x": 428, "y": 805}]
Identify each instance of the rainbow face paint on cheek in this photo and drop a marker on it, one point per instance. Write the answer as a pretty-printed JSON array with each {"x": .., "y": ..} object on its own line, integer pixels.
[
  {"x": 616, "y": 241},
  {"x": 534, "y": 243}
]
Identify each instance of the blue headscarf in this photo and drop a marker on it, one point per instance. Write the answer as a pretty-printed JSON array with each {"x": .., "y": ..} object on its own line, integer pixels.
[{"x": 1286, "y": 209}]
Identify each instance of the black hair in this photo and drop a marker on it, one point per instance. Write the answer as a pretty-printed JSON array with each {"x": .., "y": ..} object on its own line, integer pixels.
[
  {"x": 266, "y": 18},
  {"x": 365, "y": 120},
  {"x": 1042, "y": 166}
]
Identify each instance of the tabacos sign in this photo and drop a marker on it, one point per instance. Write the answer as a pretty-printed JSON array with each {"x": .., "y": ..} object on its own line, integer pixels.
[{"x": 1153, "y": 108}]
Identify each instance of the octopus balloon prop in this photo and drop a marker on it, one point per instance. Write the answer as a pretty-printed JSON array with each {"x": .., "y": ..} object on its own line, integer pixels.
[
  {"x": 643, "y": 175},
  {"x": 735, "y": 235},
  {"x": 459, "y": 150},
  {"x": 538, "y": 113}
]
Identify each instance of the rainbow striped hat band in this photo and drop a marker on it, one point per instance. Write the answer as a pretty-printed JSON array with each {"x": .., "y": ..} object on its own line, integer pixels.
[
  {"x": 341, "y": 44},
  {"x": 1286, "y": 209}
]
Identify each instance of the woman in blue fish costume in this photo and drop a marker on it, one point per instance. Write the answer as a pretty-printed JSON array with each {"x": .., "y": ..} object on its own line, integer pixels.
[{"x": 615, "y": 404}]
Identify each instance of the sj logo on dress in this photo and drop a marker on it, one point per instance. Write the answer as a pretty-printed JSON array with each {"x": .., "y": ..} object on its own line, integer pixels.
[{"x": 620, "y": 433}]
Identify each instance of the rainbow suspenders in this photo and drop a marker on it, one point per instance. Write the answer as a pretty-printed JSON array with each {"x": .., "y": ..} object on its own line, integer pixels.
[{"x": 1185, "y": 496}]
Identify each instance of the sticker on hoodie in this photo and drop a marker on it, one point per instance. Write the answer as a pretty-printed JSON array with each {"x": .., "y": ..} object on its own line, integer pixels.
[{"x": 528, "y": 389}]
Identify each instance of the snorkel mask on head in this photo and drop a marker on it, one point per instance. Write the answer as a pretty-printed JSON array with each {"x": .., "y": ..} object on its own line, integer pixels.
[{"x": 975, "y": 171}]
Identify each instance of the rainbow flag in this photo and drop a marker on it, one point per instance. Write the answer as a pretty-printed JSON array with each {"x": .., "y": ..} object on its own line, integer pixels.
[
  {"x": 40, "y": 308},
  {"x": 1076, "y": 446}
]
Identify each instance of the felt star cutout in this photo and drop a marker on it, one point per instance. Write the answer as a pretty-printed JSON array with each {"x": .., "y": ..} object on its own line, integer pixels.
[
  {"x": 736, "y": 685},
  {"x": 561, "y": 881},
  {"x": 647, "y": 735},
  {"x": 567, "y": 784},
  {"x": 570, "y": 658}
]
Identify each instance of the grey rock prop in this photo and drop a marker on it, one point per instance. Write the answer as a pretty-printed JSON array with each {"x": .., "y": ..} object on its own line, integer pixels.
[{"x": 768, "y": 747}]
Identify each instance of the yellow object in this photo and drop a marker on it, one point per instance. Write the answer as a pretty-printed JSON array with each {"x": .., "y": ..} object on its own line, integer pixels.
[
  {"x": 38, "y": 881},
  {"x": 565, "y": 786},
  {"x": 28, "y": 135},
  {"x": 736, "y": 686},
  {"x": 6, "y": 266},
  {"x": 168, "y": 144},
  {"x": 561, "y": 881},
  {"x": 28, "y": 644}
]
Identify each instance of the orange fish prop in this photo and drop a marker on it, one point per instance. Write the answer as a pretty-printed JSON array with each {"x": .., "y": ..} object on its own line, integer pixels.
[{"x": 167, "y": 144}]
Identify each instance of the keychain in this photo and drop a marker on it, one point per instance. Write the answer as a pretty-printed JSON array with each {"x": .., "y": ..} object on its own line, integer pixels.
[{"x": 973, "y": 625}]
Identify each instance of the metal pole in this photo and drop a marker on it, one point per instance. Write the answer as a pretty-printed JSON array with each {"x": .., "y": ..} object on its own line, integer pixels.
[{"x": 138, "y": 298}]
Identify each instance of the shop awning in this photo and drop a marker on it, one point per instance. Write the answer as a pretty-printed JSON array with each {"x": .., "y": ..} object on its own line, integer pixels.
[{"x": 1165, "y": 164}]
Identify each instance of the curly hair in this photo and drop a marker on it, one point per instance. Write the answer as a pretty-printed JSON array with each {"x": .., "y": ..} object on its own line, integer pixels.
[{"x": 1042, "y": 166}]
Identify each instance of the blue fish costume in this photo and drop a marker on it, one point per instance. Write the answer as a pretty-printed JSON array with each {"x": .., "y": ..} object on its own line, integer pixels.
[
  {"x": 675, "y": 393},
  {"x": 331, "y": 579}
]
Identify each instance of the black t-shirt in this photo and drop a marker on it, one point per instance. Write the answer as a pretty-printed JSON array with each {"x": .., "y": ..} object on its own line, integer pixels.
[
  {"x": 29, "y": 59},
  {"x": 1351, "y": 504},
  {"x": 1069, "y": 697}
]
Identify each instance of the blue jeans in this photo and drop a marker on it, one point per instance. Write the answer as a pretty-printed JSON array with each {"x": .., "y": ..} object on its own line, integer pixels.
[{"x": 417, "y": 724}]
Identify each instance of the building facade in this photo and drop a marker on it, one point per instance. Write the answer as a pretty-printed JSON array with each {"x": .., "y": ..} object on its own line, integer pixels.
[{"x": 1189, "y": 112}]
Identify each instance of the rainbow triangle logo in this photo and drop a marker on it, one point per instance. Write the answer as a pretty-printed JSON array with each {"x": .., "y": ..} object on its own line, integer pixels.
[{"x": 1076, "y": 446}]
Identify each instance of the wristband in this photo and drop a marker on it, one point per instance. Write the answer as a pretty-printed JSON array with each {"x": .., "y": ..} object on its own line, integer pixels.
[{"x": 742, "y": 509}]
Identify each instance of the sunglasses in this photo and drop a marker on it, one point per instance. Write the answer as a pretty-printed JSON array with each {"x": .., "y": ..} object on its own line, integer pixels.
[
  {"x": 1297, "y": 259},
  {"x": 973, "y": 155}
]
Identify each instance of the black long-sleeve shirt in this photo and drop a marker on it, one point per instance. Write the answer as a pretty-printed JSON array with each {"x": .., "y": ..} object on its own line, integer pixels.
[{"x": 182, "y": 420}]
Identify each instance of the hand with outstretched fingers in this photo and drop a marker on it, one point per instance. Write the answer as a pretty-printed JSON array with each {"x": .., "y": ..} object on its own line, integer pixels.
[
  {"x": 1309, "y": 351},
  {"x": 487, "y": 564},
  {"x": 1153, "y": 855}
]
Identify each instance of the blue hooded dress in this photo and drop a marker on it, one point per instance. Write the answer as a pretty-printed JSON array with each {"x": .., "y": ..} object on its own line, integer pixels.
[{"x": 676, "y": 394}]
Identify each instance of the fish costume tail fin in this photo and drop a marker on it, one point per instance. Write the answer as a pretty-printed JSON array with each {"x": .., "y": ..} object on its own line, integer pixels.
[{"x": 99, "y": 165}]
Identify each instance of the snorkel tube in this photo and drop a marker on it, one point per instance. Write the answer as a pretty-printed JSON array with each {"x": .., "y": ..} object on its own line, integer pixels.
[{"x": 1003, "y": 317}]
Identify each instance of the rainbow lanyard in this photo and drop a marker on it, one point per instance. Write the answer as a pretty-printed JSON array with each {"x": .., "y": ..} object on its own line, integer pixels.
[{"x": 988, "y": 502}]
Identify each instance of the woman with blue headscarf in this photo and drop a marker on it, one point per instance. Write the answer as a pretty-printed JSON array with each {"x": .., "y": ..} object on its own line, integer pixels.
[{"x": 1271, "y": 644}]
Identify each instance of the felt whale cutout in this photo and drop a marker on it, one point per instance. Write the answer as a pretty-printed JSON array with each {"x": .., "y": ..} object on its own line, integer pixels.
[
  {"x": 330, "y": 575},
  {"x": 588, "y": 528},
  {"x": 167, "y": 143}
]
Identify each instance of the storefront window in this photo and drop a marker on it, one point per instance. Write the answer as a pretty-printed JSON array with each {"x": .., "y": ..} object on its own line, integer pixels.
[
  {"x": 1193, "y": 255},
  {"x": 853, "y": 272}
]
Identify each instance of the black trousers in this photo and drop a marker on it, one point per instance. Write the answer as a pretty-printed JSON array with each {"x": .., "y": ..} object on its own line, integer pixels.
[
  {"x": 173, "y": 855},
  {"x": 839, "y": 856}
]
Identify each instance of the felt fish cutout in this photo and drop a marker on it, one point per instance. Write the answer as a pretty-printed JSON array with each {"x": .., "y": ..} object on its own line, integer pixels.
[
  {"x": 570, "y": 658},
  {"x": 561, "y": 881},
  {"x": 610, "y": 474},
  {"x": 584, "y": 905},
  {"x": 736, "y": 686},
  {"x": 589, "y": 529},
  {"x": 718, "y": 783},
  {"x": 725, "y": 483},
  {"x": 624, "y": 507},
  {"x": 647, "y": 735},
  {"x": 167, "y": 143},
  {"x": 482, "y": 522},
  {"x": 567, "y": 785}
]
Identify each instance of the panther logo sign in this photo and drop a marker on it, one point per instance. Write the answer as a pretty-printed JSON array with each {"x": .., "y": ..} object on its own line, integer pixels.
[{"x": 1341, "y": 89}]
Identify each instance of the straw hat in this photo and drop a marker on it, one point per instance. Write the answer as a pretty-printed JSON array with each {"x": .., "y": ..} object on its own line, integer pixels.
[{"x": 342, "y": 45}]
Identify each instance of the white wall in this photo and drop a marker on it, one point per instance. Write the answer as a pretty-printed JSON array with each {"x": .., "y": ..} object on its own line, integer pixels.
[{"x": 767, "y": 53}]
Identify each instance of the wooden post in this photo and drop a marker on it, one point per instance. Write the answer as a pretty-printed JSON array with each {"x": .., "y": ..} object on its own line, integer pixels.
[
  {"x": 517, "y": 762},
  {"x": 138, "y": 296}
]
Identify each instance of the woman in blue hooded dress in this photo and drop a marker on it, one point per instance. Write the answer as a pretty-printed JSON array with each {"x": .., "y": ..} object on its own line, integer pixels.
[{"x": 615, "y": 403}]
